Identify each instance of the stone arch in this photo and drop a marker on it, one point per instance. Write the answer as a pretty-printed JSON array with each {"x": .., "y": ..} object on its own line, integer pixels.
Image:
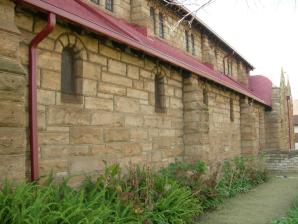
[{"x": 71, "y": 40}]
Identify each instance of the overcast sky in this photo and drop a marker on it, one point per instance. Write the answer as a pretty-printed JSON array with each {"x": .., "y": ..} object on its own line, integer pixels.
[{"x": 265, "y": 32}]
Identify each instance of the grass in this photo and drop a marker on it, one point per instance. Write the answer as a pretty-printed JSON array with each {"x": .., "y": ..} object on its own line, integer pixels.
[
  {"x": 175, "y": 194},
  {"x": 292, "y": 216}
]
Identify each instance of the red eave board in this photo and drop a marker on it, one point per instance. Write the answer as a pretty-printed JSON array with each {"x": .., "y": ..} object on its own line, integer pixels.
[{"x": 97, "y": 21}]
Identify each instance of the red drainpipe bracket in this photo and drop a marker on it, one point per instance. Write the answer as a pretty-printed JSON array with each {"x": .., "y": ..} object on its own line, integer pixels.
[{"x": 33, "y": 131}]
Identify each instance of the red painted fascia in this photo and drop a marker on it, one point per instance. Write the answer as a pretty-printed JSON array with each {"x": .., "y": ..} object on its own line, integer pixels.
[
  {"x": 33, "y": 128},
  {"x": 132, "y": 42}
]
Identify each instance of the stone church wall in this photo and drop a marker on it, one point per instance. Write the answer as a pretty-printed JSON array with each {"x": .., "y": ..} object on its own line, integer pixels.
[{"x": 113, "y": 117}]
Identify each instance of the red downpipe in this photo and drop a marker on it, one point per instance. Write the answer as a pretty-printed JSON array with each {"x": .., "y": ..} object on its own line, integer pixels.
[
  {"x": 33, "y": 138},
  {"x": 289, "y": 122}
]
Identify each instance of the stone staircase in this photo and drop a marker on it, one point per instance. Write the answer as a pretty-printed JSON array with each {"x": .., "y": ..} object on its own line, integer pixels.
[{"x": 282, "y": 161}]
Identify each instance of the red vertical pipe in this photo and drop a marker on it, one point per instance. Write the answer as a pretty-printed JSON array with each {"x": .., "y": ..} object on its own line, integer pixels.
[{"x": 33, "y": 94}]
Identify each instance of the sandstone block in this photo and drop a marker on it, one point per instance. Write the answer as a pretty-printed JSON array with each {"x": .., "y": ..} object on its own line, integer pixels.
[
  {"x": 50, "y": 80},
  {"x": 46, "y": 97},
  {"x": 89, "y": 87},
  {"x": 12, "y": 114},
  {"x": 132, "y": 60},
  {"x": 115, "y": 79},
  {"x": 138, "y": 84},
  {"x": 47, "y": 138},
  {"x": 134, "y": 121},
  {"x": 128, "y": 105},
  {"x": 15, "y": 163},
  {"x": 131, "y": 149},
  {"x": 24, "y": 21},
  {"x": 116, "y": 135},
  {"x": 12, "y": 141},
  {"x": 63, "y": 151},
  {"x": 111, "y": 89},
  {"x": 12, "y": 87},
  {"x": 41, "y": 117},
  {"x": 137, "y": 94},
  {"x": 149, "y": 86},
  {"x": 107, "y": 119},
  {"x": 91, "y": 70},
  {"x": 110, "y": 52},
  {"x": 85, "y": 164},
  {"x": 146, "y": 74},
  {"x": 108, "y": 152},
  {"x": 99, "y": 59},
  {"x": 90, "y": 42},
  {"x": 55, "y": 166},
  {"x": 65, "y": 115},
  {"x": 99, "y": 103},
  {"x": 85, "y": 135},
  {"x": 133, "y": 72},
  {"x": 49, "y": 60},
  {"x": 138, "y": 134},
  {"x": 117, "y": 67}
]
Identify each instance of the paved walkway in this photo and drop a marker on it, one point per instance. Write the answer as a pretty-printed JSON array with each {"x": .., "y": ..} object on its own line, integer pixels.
[{"x": 262, "y": 205}]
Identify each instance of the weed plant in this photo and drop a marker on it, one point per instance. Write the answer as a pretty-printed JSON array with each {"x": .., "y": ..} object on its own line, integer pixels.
[
  {"x": 292, "y": 216},
  {"x": 175, "y": 194}
]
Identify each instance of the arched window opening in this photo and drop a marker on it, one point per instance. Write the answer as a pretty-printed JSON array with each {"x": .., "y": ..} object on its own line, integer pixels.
[
  {"x": 153, "y": 19},
  {"x": 160, "y": 106},
  {"x": 205, "y": 96},
  {"x": 69, "y": 77},
  {"x": 109, "y": 5},
  {"x": 186, "y": 41},
  {"x": 193, "y": 46},
  {"x": 231, "y": 109},
  {"x": 161, "y": 26},
  {"x": 67, "y": 72}
]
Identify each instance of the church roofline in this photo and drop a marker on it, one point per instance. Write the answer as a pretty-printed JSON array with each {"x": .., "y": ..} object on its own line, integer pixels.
[
  {"x": 95, "y": 20},
  {"x": 201, "y": 23}
]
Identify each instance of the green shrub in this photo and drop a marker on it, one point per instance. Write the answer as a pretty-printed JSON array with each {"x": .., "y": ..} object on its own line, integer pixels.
[
  {"x": 241, "y": 174},
  {"x": 292, "y": 216},
  {"x": 236, "y": 176},
  {"x": 139, "y": 197},
  {"x": 176, "y": 194}
]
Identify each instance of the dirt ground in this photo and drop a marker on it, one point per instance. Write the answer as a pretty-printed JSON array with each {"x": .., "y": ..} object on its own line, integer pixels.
[{"x": 262, "y": 205}]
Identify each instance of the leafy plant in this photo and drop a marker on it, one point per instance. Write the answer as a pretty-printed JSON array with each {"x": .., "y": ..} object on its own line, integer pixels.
[
  {"x": 141, "y": 196},
  {"x": 241, "y": 174},
  {"x": 292, "y": 216},
  {"x": 235, "y": 176}
]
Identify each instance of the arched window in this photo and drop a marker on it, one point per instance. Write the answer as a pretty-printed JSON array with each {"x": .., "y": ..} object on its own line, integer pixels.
[
  {"x": 161, "y": 26},
  {"x": 231, "y": 110},
  {"x": 186, "y": 41},
  {"x": 69, "y": 80},
  {"x": 153, "y": 19},
  {"x": 67, "y": 72},
  {"x": 160, "y": 106},
  {"x": 109, "y": 5},
  {"x": 193, "y": 45},
  {"x": 205, "y": 97}
]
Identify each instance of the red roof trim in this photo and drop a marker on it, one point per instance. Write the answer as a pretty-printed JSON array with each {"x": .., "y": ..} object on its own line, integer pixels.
[{"x": 99, "y": 22}]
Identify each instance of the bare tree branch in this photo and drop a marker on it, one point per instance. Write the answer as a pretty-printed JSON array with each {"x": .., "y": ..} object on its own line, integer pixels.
[{"x": 191, "y": 8}]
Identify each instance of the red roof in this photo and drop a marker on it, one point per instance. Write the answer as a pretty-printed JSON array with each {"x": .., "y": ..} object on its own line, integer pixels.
[
  {"x": 262, "y": 87},
  {"x": 99, "y": 22}
]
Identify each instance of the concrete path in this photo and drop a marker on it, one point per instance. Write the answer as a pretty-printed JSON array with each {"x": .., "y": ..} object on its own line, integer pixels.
[{"x": 262, "y": 205}]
